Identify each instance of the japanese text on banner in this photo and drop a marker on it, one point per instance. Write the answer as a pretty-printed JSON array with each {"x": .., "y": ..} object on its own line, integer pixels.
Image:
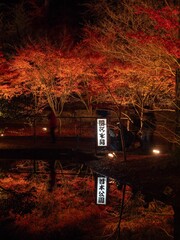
[
  {"x": 102, "y": 132},
  {"x": 101, "y": 190}
]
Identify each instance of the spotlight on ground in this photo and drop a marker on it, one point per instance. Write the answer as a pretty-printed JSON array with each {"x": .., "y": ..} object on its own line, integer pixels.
[{"x": 112, "y": 155}]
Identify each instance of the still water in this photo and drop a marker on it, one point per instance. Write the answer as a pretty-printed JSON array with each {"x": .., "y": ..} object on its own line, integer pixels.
[{"x": 56, "y": 199}]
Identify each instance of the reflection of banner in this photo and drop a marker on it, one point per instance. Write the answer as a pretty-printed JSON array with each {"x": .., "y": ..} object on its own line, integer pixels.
[
  {"x": 102, "y": 132},
  {"x": 101, "y": 197}
]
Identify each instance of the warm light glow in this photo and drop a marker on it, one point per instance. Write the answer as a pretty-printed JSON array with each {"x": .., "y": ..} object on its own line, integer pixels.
[
  {"x": 111, "y": 155},
  {"x": 2, "y": 135},
  {"x": 44, "y": 129},
  {"x": 156, "y": 151}
]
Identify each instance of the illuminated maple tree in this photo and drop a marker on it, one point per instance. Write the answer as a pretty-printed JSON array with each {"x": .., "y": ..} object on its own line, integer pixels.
[
  {"x": 47, "y": 73},
  {"x": 58, "y": 77},
  {"x": 143, "y": 37},
  {"x": 6, "y": 76},
  {"x": 90, "y": 90}
]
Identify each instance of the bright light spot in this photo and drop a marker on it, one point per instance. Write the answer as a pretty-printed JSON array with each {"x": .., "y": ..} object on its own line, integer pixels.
[
  {"x": 111, "y": 155},
  {"x": 2, "y": 135},
  {"x": 44, "y": 129},
  {"x": 156, "y": 151}
]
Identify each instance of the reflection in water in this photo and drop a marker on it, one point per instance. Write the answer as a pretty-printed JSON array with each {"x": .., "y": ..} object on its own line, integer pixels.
[
  {"x": 55, "y": 199},
  {"x": 50, "y": 168},
  {"x": 52, "y": 175}
]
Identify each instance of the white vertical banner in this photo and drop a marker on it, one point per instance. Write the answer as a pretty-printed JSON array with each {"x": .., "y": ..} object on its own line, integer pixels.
[
  {"x": 102, "y": 132},
  {"x": 101, "y": 195}
]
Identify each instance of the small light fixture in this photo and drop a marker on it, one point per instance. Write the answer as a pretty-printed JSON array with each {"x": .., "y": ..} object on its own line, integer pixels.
[
  {"x": 156, "y": 151},
  {"x": 112, "y": 155},
  {"x": 44, "y": 129},
  {"x": 2, "y": 134}
]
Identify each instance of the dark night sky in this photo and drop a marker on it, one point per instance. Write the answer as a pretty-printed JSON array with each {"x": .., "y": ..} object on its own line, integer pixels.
[
  {"x": 69, "y": 13},
  {"x": 67, "y": 10},
  {"x": 71, "y": 10}
]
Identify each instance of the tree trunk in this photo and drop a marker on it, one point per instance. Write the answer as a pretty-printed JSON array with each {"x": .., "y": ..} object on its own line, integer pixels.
[{"x": 178, "y": 102}]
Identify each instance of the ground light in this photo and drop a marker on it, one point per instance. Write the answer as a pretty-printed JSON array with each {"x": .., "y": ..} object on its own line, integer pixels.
[
  {"x": 156, "y": 151},
  {"x": 112, "y": 155}
]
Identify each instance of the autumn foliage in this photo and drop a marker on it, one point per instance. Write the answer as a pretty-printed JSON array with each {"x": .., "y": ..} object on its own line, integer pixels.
[
  {"x": 133, "y": 58},
  {"x": 126, "y": 56},
  {"x": 29, "y": 209}
]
